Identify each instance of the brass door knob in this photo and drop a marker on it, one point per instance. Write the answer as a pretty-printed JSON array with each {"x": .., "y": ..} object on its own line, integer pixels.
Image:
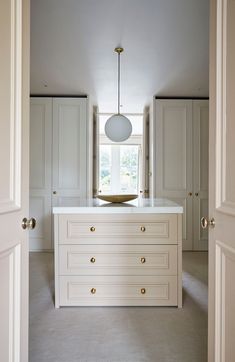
[
  {"x": 92, "y": 260},
  {"x": 93, "y": 290},
  {"x": 205, "y": 222},
  {"x": 29, "y": 223},
  {"x": 142, "y": 228},
  {"x": 92, "y": 229},
  {"x": 143, "y": 260},
  {"x": 143, "y": 290}
]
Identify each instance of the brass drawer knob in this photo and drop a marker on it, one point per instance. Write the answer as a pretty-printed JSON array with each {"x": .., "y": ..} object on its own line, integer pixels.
[
  {"x": 93, "y": 290},
  {"x": 92, "y": 260},
  {"x": 92, "y": 229},
  {"x": 143, "y": 290},
  {"x": 143, "y": 260},
  {"x": 142, "y": 228}
]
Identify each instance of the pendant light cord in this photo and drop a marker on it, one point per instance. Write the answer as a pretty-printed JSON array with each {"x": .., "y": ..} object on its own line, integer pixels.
[{"x": 118, "y": 82}]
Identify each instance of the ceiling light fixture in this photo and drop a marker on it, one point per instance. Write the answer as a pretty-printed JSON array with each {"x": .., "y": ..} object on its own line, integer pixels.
[{"x": 118, "y": 128}]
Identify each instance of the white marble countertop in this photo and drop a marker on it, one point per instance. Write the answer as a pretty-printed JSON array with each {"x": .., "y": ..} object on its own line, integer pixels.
[{"x": 140, "y": 205}]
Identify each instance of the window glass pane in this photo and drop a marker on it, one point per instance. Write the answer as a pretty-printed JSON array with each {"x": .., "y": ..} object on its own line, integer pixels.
[
  {"x": 129, "y": 166},
  {"x": 105, "y": 168}
]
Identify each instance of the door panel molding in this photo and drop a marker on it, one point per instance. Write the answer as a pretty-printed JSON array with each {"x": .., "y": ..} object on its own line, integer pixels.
[
  {"x": 224, "y": 286},
  {"x": 10, "y": 262},
  {"x": 224, "y": 201},
  {"x": 10, "y": 198}
]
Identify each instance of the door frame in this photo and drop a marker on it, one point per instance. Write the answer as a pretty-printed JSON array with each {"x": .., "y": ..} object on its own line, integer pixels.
[{"x": 212, "y": 126}]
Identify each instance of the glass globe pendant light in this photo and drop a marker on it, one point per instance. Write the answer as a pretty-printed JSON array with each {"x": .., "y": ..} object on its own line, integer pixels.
[{"x": 118, "y": 128}]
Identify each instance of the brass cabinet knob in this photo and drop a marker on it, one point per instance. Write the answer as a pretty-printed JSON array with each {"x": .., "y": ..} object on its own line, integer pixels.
[
  {"x": 92, "y": 229},
  {"x": 28, "y": 223},
  {"x": 143, "y": 290},
  {"x": 54, "y": 192},
  {"x": 142, "y": 228},
  {"x": 204, "y": 223},
  {"x": 196, "y": 194},
  {"x": 190, "y": 193},
  {"x": 92, "y": 260},
  {"x": 143, "y": 260},
  {"x": 93, "y": 290}
]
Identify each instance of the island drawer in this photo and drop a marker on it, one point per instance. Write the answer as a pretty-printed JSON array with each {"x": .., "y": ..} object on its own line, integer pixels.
[
  {"x": 118, "y": 291},
  {"x": 118, "y": 260},
  {"x": 121, "y": 229}
]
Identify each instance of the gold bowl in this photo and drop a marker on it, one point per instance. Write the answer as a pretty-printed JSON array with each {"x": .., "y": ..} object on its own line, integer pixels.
[{"x": 117, "y": 198}]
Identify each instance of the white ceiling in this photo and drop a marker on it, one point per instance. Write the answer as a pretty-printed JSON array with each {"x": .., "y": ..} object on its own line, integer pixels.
[{"x": 166, "y": 49}]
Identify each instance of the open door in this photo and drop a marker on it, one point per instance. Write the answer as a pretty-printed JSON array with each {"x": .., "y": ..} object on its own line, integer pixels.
[
  {"x": 14, "y": 95},
  {"x": 222, "y": 183}
]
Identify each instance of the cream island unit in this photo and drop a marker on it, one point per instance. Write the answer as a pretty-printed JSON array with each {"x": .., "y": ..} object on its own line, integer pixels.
[{"x": 127, "y": 254}]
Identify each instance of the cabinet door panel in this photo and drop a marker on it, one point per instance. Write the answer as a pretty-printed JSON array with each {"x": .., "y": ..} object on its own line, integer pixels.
[
  {"x": 69, "y": 148},
  {"x": 200, "y": 171},
  {"x": 173, "y": 147},
  {"x": 41, "y": 236},
  {"x": 40, "y": 171}
]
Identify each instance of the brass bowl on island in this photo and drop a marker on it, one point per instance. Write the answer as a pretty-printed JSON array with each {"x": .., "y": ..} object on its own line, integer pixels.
[{"x": 117, "y": 198}]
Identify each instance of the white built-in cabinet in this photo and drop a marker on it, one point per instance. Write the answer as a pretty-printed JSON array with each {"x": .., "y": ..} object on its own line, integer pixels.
[
  {"x": 58, "y": 161},
  {"x": 180, "y": 162}
]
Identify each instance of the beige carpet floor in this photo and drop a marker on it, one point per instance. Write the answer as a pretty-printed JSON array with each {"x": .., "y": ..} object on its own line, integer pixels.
[{"x": 118, "y": 334}]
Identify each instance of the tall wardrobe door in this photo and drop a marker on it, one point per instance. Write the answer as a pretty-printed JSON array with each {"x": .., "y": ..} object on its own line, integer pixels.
[
  {"x": 40, "y": 172},
  {"x": 173, "y": 158},
  {"x": 200, "y": 171},
  {"x": 69, "y": 151}
]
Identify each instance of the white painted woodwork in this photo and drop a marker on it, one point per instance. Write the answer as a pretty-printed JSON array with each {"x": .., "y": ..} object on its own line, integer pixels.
[
  {"x": 180, "y": 161},
  {"x": 69, "y": 150},
  {"x": 14, "y": 90},
  {"x": 173, "y": 157},
  {"x": 200, "y": 171},
  {"x": 41, "y": 172},
  {"x": 58, "y": 160},
  {"x": 221, "y": 345},
  {"x": 109, "y": 259}
]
